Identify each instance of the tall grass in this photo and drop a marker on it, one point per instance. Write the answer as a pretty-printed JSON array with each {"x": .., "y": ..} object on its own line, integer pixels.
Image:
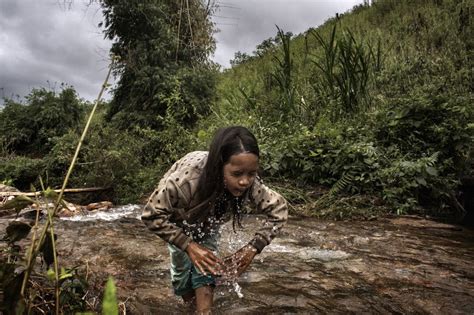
[{"x": 345, "y": 66}]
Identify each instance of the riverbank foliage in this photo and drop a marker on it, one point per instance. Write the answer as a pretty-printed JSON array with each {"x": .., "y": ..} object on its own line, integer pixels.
[{"x": 376, "y": 101}]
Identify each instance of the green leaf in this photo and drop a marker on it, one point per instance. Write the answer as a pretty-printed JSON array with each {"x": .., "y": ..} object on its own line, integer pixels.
[
  {"x": 432, "y": 171},
  {"x": 202, "y": 135},
  {"x": 65, "y": 274},
  {"x": 51, "y": 274},
  {"x": 110, "y": 305},
  {"x": 421, "y": 181},
  {"x": 50, "y": 193},
  {"x": 275, "y": 166}
]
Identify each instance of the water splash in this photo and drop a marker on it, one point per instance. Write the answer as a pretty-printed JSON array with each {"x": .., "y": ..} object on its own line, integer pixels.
[
  {"x": 231, "y": 285},
  {"x": 109, "y": 215},
  {"x": 238, "y": 289}
]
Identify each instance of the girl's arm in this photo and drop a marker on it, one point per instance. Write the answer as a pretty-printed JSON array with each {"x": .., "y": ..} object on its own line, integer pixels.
[
  {"x": 166, "y": 201},
  {"x": 274, "y": 206}
]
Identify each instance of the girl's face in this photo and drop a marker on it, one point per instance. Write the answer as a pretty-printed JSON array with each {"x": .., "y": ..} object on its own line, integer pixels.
[{"x": 240, "y": 172}]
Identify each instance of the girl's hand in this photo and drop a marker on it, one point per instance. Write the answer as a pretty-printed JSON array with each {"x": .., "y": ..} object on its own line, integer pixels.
[
  {"x": 238, "y": 262},
  {"x": 203, "y": 259}
]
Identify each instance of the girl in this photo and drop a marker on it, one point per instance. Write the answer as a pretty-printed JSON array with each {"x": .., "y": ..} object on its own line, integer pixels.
[{"x": 200, "y": 192}]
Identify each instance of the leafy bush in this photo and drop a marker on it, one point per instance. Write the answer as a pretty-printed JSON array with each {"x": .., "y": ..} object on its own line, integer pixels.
[
  {"x": 20, "y": 171},
  {"x": 107, "y": 159},
  {"x": 420, "y": 125},
  {"x": 29, "y": 128},
  {"x": 403, "y": 181}
]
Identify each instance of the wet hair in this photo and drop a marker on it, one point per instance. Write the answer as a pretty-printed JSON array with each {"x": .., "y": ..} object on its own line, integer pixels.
[{"x": 227, "y": 142}]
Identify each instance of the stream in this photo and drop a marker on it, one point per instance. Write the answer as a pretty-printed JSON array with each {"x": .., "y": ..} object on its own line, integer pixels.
[{"x": 395, "y": 265}]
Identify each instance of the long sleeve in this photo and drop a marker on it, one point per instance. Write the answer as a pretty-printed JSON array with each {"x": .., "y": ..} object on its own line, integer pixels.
[
  {"x": 165, "y": 211},
  {"x": 166, "y": 201},
  {"x": 274, "y": 206}
]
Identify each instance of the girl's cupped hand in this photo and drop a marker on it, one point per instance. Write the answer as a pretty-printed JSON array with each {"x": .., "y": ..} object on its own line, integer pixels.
[
  {"x": 204, "y": 259},
  {"x": 237, "y": 263}
]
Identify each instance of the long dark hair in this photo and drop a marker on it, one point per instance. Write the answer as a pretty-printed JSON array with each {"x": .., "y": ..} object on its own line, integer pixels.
[{"x": 226, "y": 142}]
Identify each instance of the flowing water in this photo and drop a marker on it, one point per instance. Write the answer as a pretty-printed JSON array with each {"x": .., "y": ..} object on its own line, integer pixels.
[{"x": 391, "y": 265}]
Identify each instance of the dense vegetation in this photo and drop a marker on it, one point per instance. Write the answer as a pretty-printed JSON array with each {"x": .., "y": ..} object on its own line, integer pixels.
[
  {"x": 375, "y": 102},
  {"x": 372, "y": 108}
]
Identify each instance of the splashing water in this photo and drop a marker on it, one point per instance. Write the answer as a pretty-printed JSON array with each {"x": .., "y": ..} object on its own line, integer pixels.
[
  {"x": 111, "y": 215},
  {"x": 238, "y": 289},
  {"x": 231, "y": 284},
  {"x": 230, "y": 242}
]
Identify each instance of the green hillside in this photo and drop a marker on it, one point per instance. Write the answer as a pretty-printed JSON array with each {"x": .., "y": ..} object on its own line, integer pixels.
[{"x": 377, "y": 100}]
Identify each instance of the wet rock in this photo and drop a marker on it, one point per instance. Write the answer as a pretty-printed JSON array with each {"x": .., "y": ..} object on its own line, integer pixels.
[
  {"x": 99, "y": 206},
  {"x": 70, "y": 209},
  {"x": 404, "y": 265}
]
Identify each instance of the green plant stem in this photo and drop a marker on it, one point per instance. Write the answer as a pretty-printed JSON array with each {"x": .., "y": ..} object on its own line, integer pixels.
[
  {"x": 33, "y": 240},
  {"x": 56, "y": 267},
  {"x": 34, "y": 252}
]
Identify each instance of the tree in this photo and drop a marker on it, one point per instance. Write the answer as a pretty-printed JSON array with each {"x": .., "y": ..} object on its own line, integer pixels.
[
  {"x": 29, "y": 128},
  {"x": 163, "y": 49},
  {"x": 239, "y": 58}
]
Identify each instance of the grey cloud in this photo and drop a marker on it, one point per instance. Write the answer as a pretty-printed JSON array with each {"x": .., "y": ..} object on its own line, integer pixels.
[
  {"x": 256, "y": 20},
  {"x": 45, "y": 42},
  {"x": 42, "y": 44}
]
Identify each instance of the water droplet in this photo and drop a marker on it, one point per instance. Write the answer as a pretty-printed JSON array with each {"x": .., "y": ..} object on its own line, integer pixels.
[{"x": 238, "y": 290}]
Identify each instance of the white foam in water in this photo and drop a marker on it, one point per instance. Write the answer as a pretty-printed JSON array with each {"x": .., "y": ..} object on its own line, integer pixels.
[
  {"x": 310, "y": 252},
  {"x": 108, "y": 215}
]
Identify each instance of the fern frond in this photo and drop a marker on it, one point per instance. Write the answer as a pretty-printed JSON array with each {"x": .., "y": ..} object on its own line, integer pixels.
[{"x": 329, "y": 198}]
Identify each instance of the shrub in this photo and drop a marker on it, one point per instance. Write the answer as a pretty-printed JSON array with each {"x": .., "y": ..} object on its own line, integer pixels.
[
  {"x": 420, "y": 125},
  {"x": 29, "y": 128},
  {"x": 21, "y": 172}
]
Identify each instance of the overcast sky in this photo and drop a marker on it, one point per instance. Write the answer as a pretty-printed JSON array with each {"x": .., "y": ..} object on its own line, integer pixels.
[{"x": 46, "y": 42}]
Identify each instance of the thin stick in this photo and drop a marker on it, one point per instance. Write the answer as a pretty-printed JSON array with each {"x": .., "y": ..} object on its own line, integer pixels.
[
  {"x": 55, "y": 259},
  {"x": 189, "y": 22},
  {"x": 86, "y": 128},
  {"x": 33, "y": 242},
  {"x": 179, "y": 28}
]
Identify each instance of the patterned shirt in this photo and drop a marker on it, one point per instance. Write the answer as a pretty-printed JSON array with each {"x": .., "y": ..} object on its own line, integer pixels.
[{"x": 168, "y": 212}]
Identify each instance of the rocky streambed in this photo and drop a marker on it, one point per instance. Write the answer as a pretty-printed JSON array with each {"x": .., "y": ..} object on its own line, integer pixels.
[{"x": 390, "y": 265}]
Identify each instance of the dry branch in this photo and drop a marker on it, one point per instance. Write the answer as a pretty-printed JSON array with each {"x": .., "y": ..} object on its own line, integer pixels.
[{"x": 38, "y": 193}]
